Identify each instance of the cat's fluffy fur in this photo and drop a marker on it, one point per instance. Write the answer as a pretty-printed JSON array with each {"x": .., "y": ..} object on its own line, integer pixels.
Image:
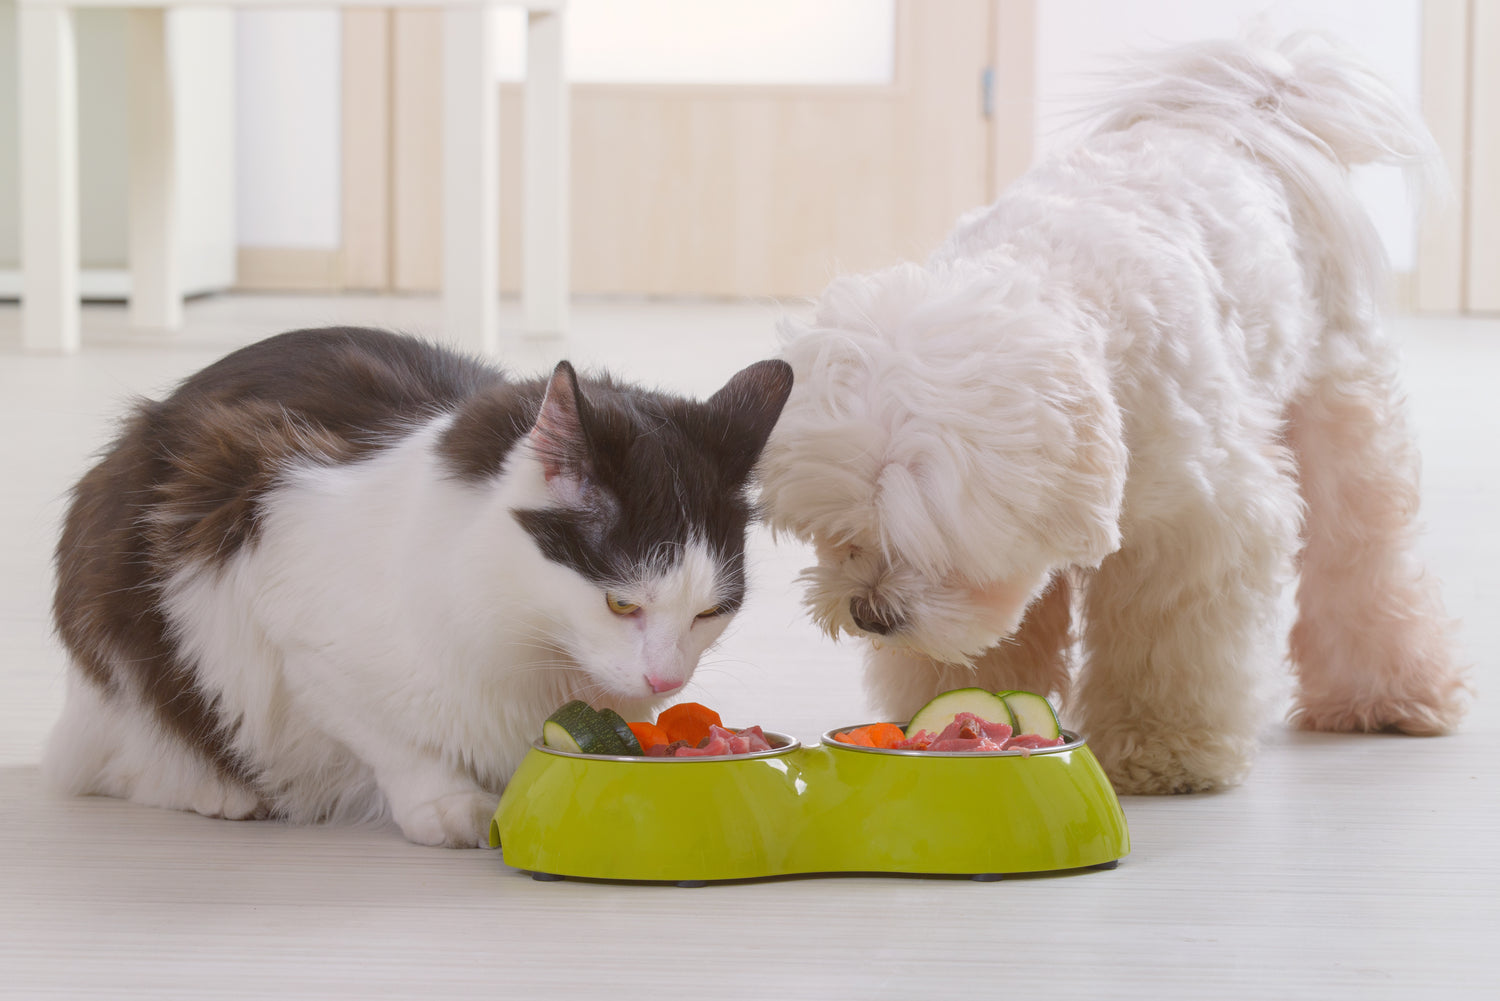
[
  {"x": 1151, "y": 373},
  {"x": 345, "y": 575}
]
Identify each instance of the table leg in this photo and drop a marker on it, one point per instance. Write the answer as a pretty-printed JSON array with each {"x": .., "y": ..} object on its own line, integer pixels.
[
  {"x": 155, "y": 261},
  {"x": 545, "y": 218},
  {"x": 49, "y": 178},
  {"x": 471, "y": 176}
]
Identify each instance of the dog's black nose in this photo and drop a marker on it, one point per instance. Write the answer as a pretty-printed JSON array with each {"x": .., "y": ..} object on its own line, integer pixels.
[{"x": 869, "y": 619}]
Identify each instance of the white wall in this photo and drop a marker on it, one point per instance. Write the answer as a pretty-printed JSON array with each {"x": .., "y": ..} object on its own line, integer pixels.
[
  {"x": 719, "y": 42},
  {"x": 1078, "y": 36}
]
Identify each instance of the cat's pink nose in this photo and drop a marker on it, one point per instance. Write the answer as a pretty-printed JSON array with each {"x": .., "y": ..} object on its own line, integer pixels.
[{"x": 660, "y": 685}]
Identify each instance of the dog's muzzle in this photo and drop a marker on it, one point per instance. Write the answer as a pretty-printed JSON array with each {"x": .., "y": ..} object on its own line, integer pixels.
[{"x": 871, "y": 618}]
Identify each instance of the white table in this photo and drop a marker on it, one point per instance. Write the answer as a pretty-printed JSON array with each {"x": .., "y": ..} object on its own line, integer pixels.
[{"x": 471, "y": 232}]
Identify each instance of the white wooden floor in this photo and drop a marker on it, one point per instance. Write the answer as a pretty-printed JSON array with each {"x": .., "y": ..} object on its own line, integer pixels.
[{"x": 1347, "y": 867}]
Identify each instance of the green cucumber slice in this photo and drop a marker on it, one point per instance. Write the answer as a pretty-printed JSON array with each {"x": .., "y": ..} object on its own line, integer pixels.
[
  {"x": 941, "y": 711},
  {"x": 557, "y": 737},
  {"x": 1033, "y": 714},
  {"x": 622, "y": 730},
  {"x": 578, "y": 727}
]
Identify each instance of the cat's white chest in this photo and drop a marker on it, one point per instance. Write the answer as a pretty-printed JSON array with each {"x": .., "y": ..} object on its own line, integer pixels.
[
  {"x": 383, "y": 603},
  {"x": 389, "y": 611}
]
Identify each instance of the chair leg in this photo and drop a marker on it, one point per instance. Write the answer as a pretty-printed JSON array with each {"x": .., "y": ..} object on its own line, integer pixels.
[
  {"x": 49, "y": 178},
  {"x": 545, "y": 218},
  {"x": 471, "y": 173},
  {"x": 155, "y": 261}
]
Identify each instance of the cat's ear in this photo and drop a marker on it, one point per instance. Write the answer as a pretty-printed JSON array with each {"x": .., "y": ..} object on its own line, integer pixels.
[
  {"x": 750, "y": 403},
  {"x": 558, "y": 438}
]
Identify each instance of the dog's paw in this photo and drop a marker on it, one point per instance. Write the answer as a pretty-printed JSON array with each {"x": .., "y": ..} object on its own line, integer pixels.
[
  {"x": 1430, "y": 715},
  {"x": 457, "y": 820},
  {"x": 1165, "y": 762}
]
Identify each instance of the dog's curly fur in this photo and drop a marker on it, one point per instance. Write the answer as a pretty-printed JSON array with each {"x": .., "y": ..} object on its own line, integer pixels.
[{"x": 1148, "y": 385}]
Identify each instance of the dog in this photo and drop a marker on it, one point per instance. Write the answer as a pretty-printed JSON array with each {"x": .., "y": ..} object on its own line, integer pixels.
[{"x": 1144, "y": 390}]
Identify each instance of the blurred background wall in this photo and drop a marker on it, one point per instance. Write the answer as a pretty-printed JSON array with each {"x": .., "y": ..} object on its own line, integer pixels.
[{"x": 733, "y": 148}]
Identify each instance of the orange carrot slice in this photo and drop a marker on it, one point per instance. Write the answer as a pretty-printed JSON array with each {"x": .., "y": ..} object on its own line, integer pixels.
[
  {"x": 886, "y": 735},
  {"x": 687, "y": 721},
  {"x": 649, "y": 734},
  {"x": 883, "y": 735}
]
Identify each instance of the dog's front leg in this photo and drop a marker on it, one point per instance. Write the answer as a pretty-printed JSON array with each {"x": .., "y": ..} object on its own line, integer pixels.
[{"x": 1181, "y": 632}]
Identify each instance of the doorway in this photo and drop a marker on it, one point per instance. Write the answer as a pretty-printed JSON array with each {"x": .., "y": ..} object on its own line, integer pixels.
[{"x": 739, "y": 190}]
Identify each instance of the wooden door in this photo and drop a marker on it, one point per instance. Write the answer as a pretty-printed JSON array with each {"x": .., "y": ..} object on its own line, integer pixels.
[
  {"x": 1458, "y": 252},
  {"x": 707, "y": 190},
  {"x": 1482, "y": 264}
]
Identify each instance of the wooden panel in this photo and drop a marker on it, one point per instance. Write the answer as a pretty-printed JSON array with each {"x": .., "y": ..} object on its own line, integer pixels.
[
  {"x": 289, "y": 269},
  {"x": 1439, "y": 285},
  {"x": 1483, "y": 286},
  {"x": 366, "y": 144},
  {"x": 734, "y": 191},
  {"x": 1012, "y": 125},
  {"x": 416, "y": 249}
]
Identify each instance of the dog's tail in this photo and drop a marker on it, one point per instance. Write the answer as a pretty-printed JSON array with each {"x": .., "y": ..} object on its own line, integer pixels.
[{"x": 1304, "y": 107}]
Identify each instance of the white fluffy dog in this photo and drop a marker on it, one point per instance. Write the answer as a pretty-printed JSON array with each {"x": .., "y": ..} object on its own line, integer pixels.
[{"x": 1149, "y": 378}]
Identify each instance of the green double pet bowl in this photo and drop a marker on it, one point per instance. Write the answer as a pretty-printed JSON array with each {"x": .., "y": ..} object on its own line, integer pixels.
[{"x": 833, "y": 808}]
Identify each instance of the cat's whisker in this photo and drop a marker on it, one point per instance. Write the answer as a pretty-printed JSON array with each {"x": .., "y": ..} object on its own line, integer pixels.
[{"x": 544, "y": 667}]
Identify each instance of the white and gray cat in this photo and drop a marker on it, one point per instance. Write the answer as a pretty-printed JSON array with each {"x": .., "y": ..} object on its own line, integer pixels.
[{"x": 345, "y": 574}]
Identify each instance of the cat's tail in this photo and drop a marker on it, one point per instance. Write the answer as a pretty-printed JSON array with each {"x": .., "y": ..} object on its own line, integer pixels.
[{"x": 1304, "y": 107}]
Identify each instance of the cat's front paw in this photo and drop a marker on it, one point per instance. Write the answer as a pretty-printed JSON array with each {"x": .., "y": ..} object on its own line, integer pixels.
[{"x": 457, "y": 820}]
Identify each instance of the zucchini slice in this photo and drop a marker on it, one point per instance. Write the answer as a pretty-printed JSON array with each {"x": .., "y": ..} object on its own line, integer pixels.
[
  {"x": 941, "y": 711},
  {"x": 622, "y": 730},
  {"x": 1033, "y": 714},
  {"x": 578, "y": 727},
  {"x": 557, "y": 737}
]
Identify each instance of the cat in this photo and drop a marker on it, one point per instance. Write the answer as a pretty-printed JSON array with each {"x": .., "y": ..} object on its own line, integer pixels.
[{"x": 345, "y": 574}]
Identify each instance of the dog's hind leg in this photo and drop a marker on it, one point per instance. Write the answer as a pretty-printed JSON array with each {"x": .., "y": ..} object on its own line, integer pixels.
[
  {"x": 1181, "y": 631},
  {"x": 1035, "y": 659},
  {"x": 1371, "y": 645}
]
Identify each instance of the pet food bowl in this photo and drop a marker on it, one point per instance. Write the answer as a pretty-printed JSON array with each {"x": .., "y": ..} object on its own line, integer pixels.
[
  {"x": 833, "y": 808},
  {"x": 639, "y": 818},
  {"x": 962, "y": 813}
]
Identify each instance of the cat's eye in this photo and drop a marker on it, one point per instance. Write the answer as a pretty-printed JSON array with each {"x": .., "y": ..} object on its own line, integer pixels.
[
  {"x": 709, "y": 613},
  {"x": 619, "y": 605}
]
